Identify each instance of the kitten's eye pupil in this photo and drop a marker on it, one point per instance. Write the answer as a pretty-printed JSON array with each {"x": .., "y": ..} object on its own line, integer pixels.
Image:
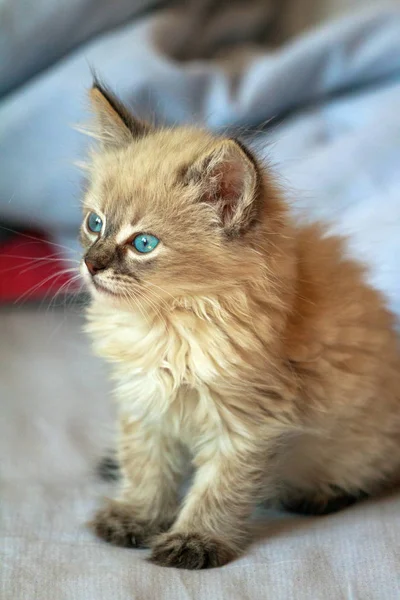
[
  {"x": 145, "y": 243},
  {"x": 94, "y": 223}
]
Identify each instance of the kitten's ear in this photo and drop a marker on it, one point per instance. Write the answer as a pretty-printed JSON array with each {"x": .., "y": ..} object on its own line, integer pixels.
[
  {"x": 228, "y": 178},
  {"x": 115, "y": 126}
]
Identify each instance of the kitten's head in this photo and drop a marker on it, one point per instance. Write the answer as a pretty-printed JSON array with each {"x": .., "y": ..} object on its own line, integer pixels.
[{"x": 168, "y": 212}]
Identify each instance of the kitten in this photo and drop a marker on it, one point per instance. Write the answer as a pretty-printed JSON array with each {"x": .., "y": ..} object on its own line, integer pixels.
[{"x": 239, "y": 341}]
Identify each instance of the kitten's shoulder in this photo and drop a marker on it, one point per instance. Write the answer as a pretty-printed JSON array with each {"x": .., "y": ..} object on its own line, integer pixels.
[{"x": 334, "y": 301}]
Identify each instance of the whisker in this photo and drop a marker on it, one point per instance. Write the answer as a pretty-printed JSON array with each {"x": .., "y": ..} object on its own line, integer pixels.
[
  {"x": 156, "y": 310},
  {"x": 160, "y": 288},
  {"x": 158, "y": 297},
  {"x": 36, "y": 239},
  {"x": 136, "y": 304},
  {"x": 30, "y": 267},
  {"x": 66, "y": 295},
  {"x": 38, "y": 285},
  {"x": 49, "y": 258},
  {"x": 64, "y": 290},
  {"x": 152, "y": 297},
  {"x": 26, "y": 295}
]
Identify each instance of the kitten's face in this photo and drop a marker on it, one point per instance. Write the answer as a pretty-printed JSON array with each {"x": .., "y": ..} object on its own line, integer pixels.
[{"x": 165, "y": 215}]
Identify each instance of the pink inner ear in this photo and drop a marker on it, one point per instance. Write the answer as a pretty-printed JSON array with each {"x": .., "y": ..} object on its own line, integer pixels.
[{"x": 226, "y": 184}]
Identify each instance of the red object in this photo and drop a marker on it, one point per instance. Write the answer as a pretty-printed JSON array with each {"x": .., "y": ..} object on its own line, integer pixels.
[{"x": 31, "y": 268}]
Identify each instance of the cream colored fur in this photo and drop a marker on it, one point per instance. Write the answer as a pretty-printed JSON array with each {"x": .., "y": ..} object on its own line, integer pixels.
[{"x": 243, "y": 343}]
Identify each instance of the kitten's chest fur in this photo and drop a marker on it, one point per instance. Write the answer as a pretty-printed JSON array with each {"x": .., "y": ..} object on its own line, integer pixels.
[{"x": 162, "y": 364}]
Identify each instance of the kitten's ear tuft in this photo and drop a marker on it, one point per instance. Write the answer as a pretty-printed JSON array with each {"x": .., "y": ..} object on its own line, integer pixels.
[
  {"x": 228, "y": 178},
  {"x": 115, "y": 126}
]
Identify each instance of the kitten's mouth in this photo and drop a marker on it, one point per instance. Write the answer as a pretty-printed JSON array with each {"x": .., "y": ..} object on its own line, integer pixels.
[{"x": 102, "y": 288}]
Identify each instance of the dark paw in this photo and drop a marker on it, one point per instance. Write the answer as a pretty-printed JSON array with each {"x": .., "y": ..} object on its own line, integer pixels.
[
  {"x": 189, "y": 551},
  {"x": 108, "y": 468},
  {"x": 116, "y": 524}
]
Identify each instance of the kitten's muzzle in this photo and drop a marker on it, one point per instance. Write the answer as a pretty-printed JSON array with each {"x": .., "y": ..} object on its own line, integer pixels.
[
  {"x": 93, "y": 267},
  {"x": 98, "y": 258}
]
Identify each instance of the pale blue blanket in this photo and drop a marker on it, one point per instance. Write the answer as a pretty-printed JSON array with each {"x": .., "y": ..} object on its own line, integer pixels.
[{"x": 333, "y": 95}]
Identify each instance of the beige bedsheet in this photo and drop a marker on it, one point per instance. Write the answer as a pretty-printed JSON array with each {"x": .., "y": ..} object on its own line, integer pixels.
[{"x": 56, "y": 420}]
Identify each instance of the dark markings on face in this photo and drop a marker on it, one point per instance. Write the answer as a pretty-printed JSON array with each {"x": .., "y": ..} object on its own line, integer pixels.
[{"x": 104, "y": 253}]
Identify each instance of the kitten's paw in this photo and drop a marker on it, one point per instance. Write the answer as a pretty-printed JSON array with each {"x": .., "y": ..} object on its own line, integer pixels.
[
  {"x": 116, "y": 523},
  {"x": 189, "y": 551},
  {"x": 108, "y": 468}
]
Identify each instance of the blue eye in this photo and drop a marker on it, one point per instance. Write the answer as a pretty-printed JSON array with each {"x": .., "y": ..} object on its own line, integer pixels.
[
  {"x": 94, "y": 223},
  {"x": 145, "y": 242}
]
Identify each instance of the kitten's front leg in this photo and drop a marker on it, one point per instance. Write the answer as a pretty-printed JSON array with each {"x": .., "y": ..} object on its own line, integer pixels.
[
  {"x": 151, "y": 464},
  {"x": 213, "y": 525}
]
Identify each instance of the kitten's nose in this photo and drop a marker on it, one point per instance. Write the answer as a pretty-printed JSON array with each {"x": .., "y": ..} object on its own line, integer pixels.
[{"x": 92, "y": 267}]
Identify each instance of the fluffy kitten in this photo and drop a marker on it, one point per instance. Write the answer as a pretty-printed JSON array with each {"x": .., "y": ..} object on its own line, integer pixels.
[{"x": 239, "y": 341}]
